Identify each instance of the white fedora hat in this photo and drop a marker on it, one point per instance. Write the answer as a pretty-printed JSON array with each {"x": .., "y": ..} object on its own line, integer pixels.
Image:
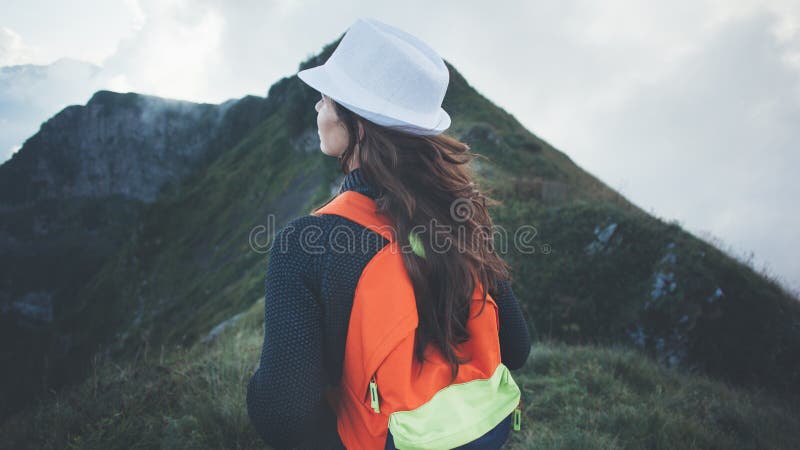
[{"x": 386, "y": 76}]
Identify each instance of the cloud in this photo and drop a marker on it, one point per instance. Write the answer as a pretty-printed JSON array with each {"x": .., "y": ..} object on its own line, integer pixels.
[
  {"x": 173, "y": 53},
  {"x": 710, "y": 139},
  {"x": 12, "y": 49},
  {"x": 137, "y": 15}
]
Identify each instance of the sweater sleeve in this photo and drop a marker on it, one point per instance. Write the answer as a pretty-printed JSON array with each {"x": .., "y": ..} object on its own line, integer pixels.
[
  {"x": 285, "y": 395},
  {"x": 515, "y": 340}
]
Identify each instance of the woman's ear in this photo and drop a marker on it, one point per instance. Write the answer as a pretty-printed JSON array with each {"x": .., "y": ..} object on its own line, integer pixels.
[{"x": 360, "y": 131}]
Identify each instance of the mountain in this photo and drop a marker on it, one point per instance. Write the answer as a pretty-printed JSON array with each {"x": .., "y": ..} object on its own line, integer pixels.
[
  {"x": 72, "y": 195},
  {"x": 164, "y": 239}
]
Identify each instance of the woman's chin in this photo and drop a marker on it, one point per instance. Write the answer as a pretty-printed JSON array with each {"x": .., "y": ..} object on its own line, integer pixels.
[{"x": 325, "y": 151}]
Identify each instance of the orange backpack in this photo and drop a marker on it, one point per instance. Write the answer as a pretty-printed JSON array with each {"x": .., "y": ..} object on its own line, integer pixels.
[{"x": 382, "y": 387}]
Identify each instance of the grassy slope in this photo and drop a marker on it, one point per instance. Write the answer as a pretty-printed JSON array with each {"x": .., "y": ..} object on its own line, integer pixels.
[{"x": 574, "y": 397}]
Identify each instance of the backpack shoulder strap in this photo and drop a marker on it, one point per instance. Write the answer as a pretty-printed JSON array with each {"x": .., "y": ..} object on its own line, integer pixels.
[{"x": 361, "y": 209}]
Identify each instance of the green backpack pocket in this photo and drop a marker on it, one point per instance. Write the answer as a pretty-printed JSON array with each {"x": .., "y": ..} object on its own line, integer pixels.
[{"x": 457, "y": 414}]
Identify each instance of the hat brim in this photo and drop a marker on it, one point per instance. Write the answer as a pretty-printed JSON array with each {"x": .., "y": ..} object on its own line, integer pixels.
[
  {"x": 320, "y": 79},
  {"x": 443, "y": 123},
  {"x": 442, "y": 120}
]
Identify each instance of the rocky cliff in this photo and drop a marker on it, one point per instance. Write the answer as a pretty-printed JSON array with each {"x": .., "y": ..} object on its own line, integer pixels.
[{"x": 73, "y": 193}]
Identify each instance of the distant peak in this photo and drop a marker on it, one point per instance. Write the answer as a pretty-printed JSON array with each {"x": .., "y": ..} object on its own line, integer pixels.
[{"x": 105, "y": 97}]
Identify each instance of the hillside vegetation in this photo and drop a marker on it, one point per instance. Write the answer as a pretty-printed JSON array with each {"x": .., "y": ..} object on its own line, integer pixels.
[{"x": 574, "y": 397}]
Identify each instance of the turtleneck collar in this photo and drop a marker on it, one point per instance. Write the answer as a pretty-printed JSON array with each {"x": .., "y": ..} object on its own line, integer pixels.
[{"x": 354, "y": 181}]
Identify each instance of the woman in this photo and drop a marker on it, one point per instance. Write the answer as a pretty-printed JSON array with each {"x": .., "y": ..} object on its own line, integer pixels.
[{"x": 394, "y": 153}]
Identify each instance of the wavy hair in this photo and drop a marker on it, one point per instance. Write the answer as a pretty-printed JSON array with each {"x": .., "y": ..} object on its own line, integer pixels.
[{"x": 424, "y": 180}]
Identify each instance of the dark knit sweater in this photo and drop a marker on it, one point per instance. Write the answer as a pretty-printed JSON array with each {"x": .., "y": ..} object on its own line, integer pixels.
[{"x": 309, "y": 295}]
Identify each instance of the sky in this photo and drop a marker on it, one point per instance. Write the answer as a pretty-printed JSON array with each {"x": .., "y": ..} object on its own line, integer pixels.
[{"x": 689, "y": 108}]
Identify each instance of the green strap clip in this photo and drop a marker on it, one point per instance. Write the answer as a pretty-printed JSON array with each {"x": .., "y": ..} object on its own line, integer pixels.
[
  {"x": 517, "y": 419},
  {"x": 416, "y": 244},
  {"x": 373, "y": 395}
]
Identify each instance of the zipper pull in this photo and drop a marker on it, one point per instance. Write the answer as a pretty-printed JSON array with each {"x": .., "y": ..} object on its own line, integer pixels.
[
  {"x": 373, "y": 394},
  {"x": 518, "y": 416}
]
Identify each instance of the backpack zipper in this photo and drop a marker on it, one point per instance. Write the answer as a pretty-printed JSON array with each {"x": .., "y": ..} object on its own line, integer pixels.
[
  {"x": 373, "y": 394},
  {"x": 518, "y": 416}
]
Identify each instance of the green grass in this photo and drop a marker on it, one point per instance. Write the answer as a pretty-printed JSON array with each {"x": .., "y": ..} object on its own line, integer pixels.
[
  {"x": 608, "y": 398},
  {"x": 163, "y": 398},
  {"x": 573, "y": 397}
]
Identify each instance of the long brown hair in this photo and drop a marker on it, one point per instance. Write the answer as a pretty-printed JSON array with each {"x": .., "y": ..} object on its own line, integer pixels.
[{"x": 424, "y": 180}]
